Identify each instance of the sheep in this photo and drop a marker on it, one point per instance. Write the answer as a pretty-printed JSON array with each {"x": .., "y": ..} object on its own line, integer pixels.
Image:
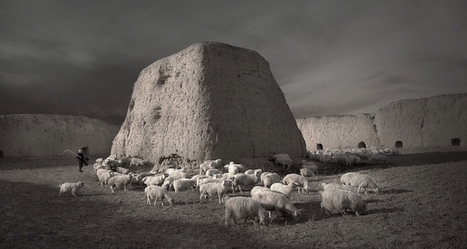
[
  {"x": 253, "y": 171},
  {"x": 168, "y": 183},
  {"x": 210, "y": 189},
  {"x": 258, "y": 189},
  {"x": 120, "y": 181},
  {"x": 70, "y": 187},
  {"x": 241, "y": 207},
  {"x": 212, "y": 172},
  {"x": 184, "y": 184},
  {"x": 97, "y": 167},
  {"x": 361, "y": 181},
  {"x": 122, "y": 170},
  {"x": 283, "y": 160},
  {"x": 286, "y": 189},
  {"x": 270, "y": 179},
  {"x": 156, "y": 192},
  {"x": 338, "y": 200},
  {"x": 154, "y": 180},
  {"x": 209, "y": 164},
  {"x": 327, "y": 186},
  {"x": 299, "y": 179},
  {"x": 104, "y": 175},
  {"x": 136, "y": 162},
  {"x": 273, "y": 201},
  {"x": 241, "y": 179},
  {"x": 233, "y": 168},
  {"x": 202, "y": 181}
]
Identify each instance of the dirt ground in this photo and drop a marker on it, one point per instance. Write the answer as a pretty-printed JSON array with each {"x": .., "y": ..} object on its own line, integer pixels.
[{"x": 422, "y": 204}]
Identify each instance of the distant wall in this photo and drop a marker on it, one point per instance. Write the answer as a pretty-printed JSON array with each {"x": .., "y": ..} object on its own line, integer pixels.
[
  {"x": 419, "y": 123},
  {"x": 25, "y": 135}
]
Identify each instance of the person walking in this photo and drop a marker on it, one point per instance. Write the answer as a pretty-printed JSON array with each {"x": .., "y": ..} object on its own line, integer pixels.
[{"x": 82, "y": 160}]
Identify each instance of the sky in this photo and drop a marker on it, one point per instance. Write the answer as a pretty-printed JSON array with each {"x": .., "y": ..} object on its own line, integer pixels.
[{"x": 328, "y": 57}]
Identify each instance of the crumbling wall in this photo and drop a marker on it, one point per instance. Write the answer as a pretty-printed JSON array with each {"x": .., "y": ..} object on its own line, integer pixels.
[
  {"x": 338, "y": 131},
  {"x": 31, "y": 135},
  {"x": 208, "y": 101}
]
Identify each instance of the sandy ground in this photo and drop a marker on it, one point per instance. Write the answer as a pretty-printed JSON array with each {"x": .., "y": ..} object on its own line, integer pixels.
[{"x": 422, "y": 204}]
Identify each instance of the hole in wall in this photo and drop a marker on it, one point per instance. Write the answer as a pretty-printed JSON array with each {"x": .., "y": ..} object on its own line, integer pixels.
[
  {"x": 1, "y": 153},
  {"x": 319, "y": 147},
  {"x": 398, "y": 144},
  {"x": 361, "y": 145},
  {"x": 456, "y": 141}
]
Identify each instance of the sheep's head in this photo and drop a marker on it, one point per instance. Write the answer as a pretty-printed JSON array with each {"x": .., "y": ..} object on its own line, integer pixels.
[{"x": 80, "y": 184}]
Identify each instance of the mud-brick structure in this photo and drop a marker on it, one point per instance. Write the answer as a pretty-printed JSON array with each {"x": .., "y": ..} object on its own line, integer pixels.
[
  {"x": 208, "y": 101},
  {"x": 37, "y": 135},
  {"x": 436, "y": 122}
]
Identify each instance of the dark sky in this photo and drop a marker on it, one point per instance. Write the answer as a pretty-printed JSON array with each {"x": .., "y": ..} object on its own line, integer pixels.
[{"x": 329, "y": 57}]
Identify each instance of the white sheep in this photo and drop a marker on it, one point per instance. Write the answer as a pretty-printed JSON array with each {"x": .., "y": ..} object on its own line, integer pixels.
[
  {"x": 184, "y": 184},
  {"x": 211, "y": 189},
  {"x": 338, "y": 200},
  {"x": 245, "y": 180},
  {"x": 240, "y": 207},
  {"x": 299, "y": 179},
  {"x": 70, "y": 187},
  {"x": 104, "y": 175},
  {"x": 233, "y": 168},
  {"x": 154, "y": 179},
  {"x": 120, "y": 181},
  {"x": 360, "y": 181},
  {"x": 286, "y": 189},
  {"x": 136, "y": 162},
  {"x": 122, "y": 170},
  {"x": 273, "y": 201},
  {"x": 209, "y": 164},
  {"x": 212, "y": 172},
  {"x": 156, "y": 192},
  {"x": 270, "y": 179}
]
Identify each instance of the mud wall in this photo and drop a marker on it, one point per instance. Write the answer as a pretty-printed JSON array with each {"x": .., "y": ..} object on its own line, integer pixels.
[
  {"x": 31, "y": 135},
  {"x": 418, "y": 123}
]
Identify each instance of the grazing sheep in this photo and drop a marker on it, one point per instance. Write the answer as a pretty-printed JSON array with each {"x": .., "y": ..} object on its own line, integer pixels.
[
  {"x": 286, "y": 189},
  {"x": 154, "y": 179},
  {"x": 156, "y": 192},
  {"x": 70, "y": 187},
  {"x": 270, "y": 179},
  {"x": 122, "y": 170},
  {"x": 104, "y": 175},
  {"x": 327, "y": 186},
  {"x": 120, "y": 181},
  {"x": 273, "y": 201},
  {"x": 339, "y": 200},
  {"x": 283, "y": 160},
  {"x": 240, "y": 207},
  {"x": 233, "y": 168},
  {"x": 241, "y": 179},
  {"x": 184, "y": 184},
  {"x": 299, "y": 179},
  {"x": 360, "y": 181},
  {"x": 209, "y": 164},
  {"x": 210, "y": 189}
]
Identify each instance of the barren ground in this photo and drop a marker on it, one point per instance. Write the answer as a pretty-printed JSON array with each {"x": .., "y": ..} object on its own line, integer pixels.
[{"x": 422, "y": 204}]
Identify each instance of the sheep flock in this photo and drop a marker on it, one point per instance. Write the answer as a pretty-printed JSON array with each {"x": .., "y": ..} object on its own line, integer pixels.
[{"x": 247, "y": 193}]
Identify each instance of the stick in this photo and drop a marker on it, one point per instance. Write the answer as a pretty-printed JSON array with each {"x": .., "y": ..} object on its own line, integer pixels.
[{"x": 68, "y": 150}]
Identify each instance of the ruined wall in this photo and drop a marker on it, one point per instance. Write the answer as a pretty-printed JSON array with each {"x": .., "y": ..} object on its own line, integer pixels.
[
  {"x": 28, "y": 135},
  {"x": 338, "y": 131},
  {"x": 208, "y": 101},
  {"x": 417, "y": 123}
]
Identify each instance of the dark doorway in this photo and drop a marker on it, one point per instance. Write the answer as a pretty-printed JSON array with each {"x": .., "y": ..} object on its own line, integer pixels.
[
  {"x": 361, "y": 145},
  {"x": 1, "y": 153},
  {"x": 456, "y": 141},
  {"x": 319, "y": 147},
  {"x": 399, "y": 144}
]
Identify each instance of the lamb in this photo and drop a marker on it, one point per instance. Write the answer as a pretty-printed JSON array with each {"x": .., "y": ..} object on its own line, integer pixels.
[
  {"x": 241, "y": 179},
  {"x": 233, "y": 168},
  {"x": 209, "y": 164},
  {"x": 361, "y": 181},
  {"x": 70, "y": 187},
  {"x": 270, "y": 179},
  {"x": 104, "y": 175},
  {"x": 338, "y": 200},
  {"x": 299, "y": 179},
  {"x": 210, "y": 189},
  {"x": 156, "y": 192},
  {"x": 273, "y": 201},
  {"x": 240, "y": 207},
  {"x": 184, "y": 184},
  {"x": 287, "y": 190},
  {"x": 120, "y": 181}
]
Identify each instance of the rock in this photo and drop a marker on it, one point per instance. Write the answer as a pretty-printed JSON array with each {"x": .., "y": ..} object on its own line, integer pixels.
[{"x": 208, "y": 101}]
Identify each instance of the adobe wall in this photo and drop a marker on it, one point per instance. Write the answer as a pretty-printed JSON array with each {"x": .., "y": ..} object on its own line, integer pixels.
[
  {"x": 436, "y": 122},
  {"x": 32, "y": 135}
]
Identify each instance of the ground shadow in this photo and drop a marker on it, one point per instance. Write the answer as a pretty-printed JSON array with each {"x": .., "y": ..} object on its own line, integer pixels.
[
  {"x": 394, "y": 191},
  {"x": 385, "y": 210}
]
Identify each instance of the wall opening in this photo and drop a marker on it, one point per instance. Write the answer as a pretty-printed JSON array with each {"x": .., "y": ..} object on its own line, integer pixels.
[
  {"x": 361, "y": 145},
  {"x": 1, "y": 153},
  {"x": 399, "y": 144},
  {"x": 456, "y": 141},
  {"x": 319, "y": 147}
]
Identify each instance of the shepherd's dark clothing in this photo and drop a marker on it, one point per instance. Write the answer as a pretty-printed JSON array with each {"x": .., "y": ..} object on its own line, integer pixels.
[{"x": 82, "y": 160}]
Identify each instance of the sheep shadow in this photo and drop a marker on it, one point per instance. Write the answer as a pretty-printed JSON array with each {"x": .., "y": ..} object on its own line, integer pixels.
[
  {"x": 385, "y": 210},
  {"x": 394, "y": 191}
]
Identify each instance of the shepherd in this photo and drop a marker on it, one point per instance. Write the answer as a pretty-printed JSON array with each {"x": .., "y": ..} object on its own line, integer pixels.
[{"x": 82, "y": 160}]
